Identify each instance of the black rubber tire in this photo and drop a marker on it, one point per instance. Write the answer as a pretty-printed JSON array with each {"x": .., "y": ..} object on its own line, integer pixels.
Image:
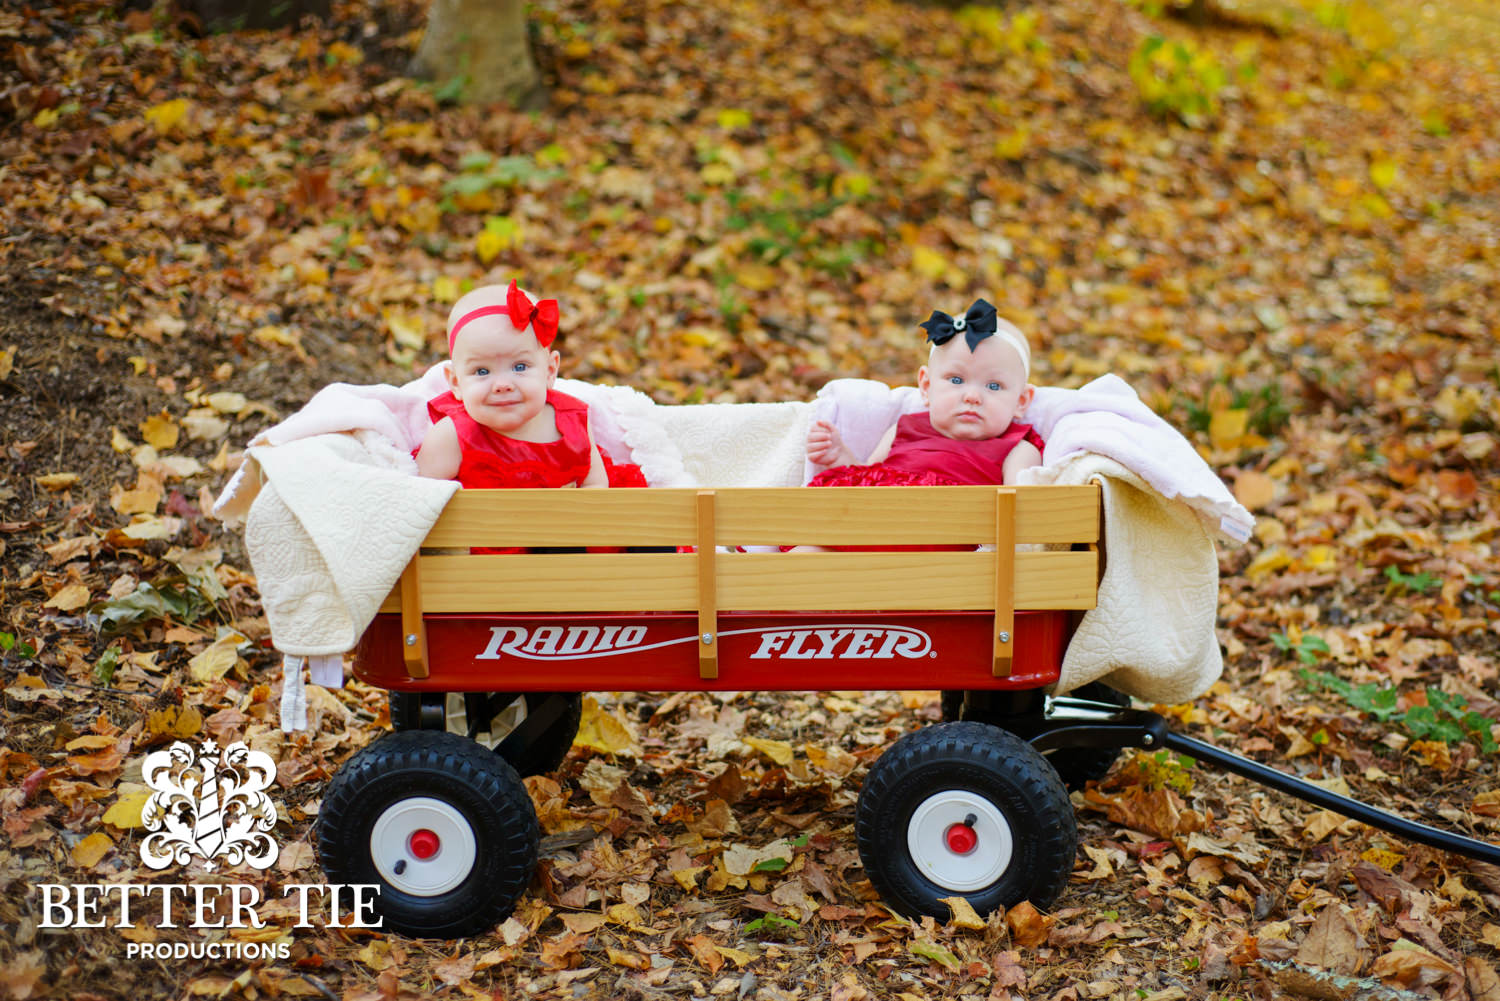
[
  {"x": 542, "y": 757},
  {"x": 1077, "y": 765},
  {"x": 989, "y": 763},
  {"x": 459, "y": 773}
]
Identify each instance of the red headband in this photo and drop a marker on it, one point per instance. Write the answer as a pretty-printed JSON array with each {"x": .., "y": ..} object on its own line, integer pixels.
[{"x": 542, "y": 316}]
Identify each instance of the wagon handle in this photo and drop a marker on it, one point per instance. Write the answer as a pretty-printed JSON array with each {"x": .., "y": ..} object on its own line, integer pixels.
[{"x": 1080, "y": 723}]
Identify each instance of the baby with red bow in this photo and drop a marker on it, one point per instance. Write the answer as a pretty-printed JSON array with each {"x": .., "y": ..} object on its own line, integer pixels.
[{"x": 502, "y": 424}]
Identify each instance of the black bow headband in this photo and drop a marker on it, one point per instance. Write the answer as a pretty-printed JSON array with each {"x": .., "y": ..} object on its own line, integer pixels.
[{"x": 977, "y": 324}]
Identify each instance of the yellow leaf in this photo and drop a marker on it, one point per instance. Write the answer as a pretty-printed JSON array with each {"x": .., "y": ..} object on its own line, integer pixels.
[
  {"x": 1488, "y": 803},
  {"x": 487, "y": 245},
  {"x": 91, "y": 849},
  {"x": 1387, "y": 860},
  {"x": 7, "y": 361},
  {"x": 1012, "y": 145},
  {"x": 1227, "y": 427},
  {"x": 1268, "y": 560},
  {"x": 160, "y": 431},
  {"x": 778, "y": 751},
  {"x": 168, "y": 115},
  {"x": 175, "y": 721},
  {"x": 734, "y": 118},
  {"x": 69, "y": 598},
  {"x": 57, "y": 481},
  {"x": 625, "y": 914},
  {"x": 445, "y": 289},
  {"x": 143, "y": 499},
  {"x": 633, "y": 960},
  {"x": 46, "y": 118},
  {"x": 964, "y": 915},
  {"x": 217, "y": 659},
  {"x": 126, "y": 812},
  {"x": 928, "y": 262},
  {"x": 702, "y": 337},
  {"x": 688, "y": 878},
  {"x": 739, "y": 958},
  {"x": 716, "y": 173},
  {"x": 407, "y": 330},
  {"x": 758, "y": 277},
  {"x": 603, "y": 732},
  {"x": 1320, "y": 557},
  {"x": 118, "y": 441},
  {"x": 852, "y": 185},
  {"x": 1384, "y": 173}
]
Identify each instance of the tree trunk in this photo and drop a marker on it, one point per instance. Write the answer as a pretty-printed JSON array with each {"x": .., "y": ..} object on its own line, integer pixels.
[{"x": 479, "y": 52}]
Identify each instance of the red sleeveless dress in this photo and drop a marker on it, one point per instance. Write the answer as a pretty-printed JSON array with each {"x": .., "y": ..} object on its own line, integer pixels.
[
  {"x": 490, "y": 459},
  {"x": 921, "y": 457}
]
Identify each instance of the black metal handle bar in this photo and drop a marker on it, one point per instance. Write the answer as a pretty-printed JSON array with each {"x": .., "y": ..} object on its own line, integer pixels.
[{"x": 1081, "y": 723}]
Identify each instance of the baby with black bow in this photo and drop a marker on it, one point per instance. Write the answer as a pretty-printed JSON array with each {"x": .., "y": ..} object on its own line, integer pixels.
[{"x": 975, "y": 387}]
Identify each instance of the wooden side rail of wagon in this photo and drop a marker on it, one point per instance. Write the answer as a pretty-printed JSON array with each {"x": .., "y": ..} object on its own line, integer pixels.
[{"x": 711, "y": 578}]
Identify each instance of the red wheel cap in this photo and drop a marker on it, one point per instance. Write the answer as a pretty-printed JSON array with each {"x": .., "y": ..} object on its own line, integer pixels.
[
  {"x": 423, "y": 844},
  {"x": 962, "y": 839}
]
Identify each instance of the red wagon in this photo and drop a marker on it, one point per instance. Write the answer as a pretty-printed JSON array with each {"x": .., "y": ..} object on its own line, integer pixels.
[{"x": 486, "y": 656}]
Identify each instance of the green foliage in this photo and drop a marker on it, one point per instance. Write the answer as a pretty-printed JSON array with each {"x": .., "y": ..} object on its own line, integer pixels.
[
  {"x": 1444, "y": 718},
  {"x": 104, "y": 667},
  {"x": 1307, "y": 648},
  {"x": 177, "y": 598},
  {"x": 1166, "y": 770},
  {"x": 1268, "y": 410},
  {"x": 773, "y": 926},
  {"x": 1409, "y": 583},
  {"x": 479, "y": 172},
  {"x": 24, "y": 650},
  {"x": 1179, "y": 78}
]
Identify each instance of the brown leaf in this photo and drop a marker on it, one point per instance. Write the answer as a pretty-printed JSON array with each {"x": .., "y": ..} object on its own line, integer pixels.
[
  {"x": 1028, "y": 926},
  {"x": 1392, "y": 892},
  {"x": 1334, "y": 943},
  {"x": 1483, "y": 982}
]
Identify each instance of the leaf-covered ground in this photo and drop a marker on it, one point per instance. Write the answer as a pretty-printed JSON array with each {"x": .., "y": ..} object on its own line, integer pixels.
[{"x": 1286, "y": 240}]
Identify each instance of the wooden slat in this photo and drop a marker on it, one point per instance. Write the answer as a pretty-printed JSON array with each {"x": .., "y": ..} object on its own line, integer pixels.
[
  {"x": 530, "y": 518},
  {"x": 886, "y": 516},
  {"x": 413, "y": 634},
  {"x": 1005, "y": 581},
  {"x": 834, "y": 516},
  {"x": 708, "y": 602},
  {"x": 751, "y": 581}
]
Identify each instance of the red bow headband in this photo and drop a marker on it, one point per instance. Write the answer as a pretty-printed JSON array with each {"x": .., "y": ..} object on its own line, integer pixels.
[{"x": 542, "y": 316}]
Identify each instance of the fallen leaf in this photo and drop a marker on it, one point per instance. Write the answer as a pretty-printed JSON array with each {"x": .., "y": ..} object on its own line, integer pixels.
[
  {"x": 963, "y": 912},
  {"x": 87, "y": 853}
]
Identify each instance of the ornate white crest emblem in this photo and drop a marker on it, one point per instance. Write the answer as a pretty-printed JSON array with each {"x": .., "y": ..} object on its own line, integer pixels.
[{"x": 210, "y": 803}]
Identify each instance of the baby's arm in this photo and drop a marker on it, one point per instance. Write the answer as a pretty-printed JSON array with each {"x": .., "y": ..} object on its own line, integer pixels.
[
  {"x": 597, "y": 477},
  {"x": 440, "y": 454},
  {"x": 825, "y": 447},
  {"x": 1023, "y": 456}
]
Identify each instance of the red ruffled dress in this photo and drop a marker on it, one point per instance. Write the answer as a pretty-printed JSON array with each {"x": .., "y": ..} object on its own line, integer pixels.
[
  {"x": 492, "y": 460},
  {"x": 922, "y": 457}
]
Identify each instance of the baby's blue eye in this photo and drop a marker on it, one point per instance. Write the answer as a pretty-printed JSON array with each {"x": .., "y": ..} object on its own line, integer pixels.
[
  {"x": 956, "y": 380},
  {"x": 519, "y": 366},
  {"x": 993, "y": 387},
  {"x": 482, "y": 370}
]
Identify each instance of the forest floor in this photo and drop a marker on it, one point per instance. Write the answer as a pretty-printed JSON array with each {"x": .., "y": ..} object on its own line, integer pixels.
[{"x": 1281, "y": 231}]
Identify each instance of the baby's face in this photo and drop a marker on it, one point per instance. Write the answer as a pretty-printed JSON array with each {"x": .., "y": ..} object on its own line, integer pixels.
[
  {"x": 974, "y": 395},
  {"x": 501, "y": 374}
]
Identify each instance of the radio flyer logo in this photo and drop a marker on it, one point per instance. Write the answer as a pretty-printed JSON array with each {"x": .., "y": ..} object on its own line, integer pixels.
[{"x": 210, "y": 803}]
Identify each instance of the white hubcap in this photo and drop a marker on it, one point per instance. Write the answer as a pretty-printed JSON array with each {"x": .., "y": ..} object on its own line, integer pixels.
[
  {"x": 959, "y": 840},
  {"x": 423, "y": 846}
]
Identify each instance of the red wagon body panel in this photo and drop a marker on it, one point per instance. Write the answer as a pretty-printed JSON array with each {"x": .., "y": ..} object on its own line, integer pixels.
[{"x": 785, "y": 651}]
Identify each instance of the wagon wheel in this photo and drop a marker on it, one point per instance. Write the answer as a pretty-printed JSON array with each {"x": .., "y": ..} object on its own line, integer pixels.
[
  {"x": 442, "y": 826},
  {"x": 531, "y": 730},
  {"x": 964, "y": 809},
  {"x": 1077, "y": 765}
]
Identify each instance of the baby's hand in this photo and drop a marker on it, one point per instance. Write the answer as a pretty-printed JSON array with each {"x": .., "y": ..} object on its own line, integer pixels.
[{"x": 824, "y": 445}]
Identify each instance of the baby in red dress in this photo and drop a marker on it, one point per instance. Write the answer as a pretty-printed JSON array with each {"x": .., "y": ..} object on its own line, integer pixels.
[
  {"x": 502, "y": 424},
  {"x": 975, "y": 386}
]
